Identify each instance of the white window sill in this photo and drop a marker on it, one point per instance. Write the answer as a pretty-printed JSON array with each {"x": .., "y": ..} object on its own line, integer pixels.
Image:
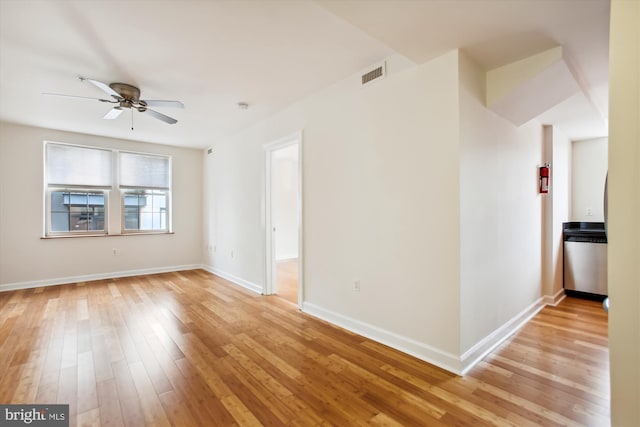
[{"x": 137, "y": 233}]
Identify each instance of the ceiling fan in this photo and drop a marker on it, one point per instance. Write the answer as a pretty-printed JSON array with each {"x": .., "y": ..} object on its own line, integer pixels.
[{"x": 126, "y": 96}]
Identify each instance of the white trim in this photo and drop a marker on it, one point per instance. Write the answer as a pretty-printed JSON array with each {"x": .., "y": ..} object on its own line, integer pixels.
[
  {"x": 407, "y": 345},
  {"x": 287, "y": 257},
  {"x": 270, "y": 273},
  {"x": 445, "y": 360},
  {"x": 555, "y": 299},
  {"x": 486, "y": 345},
  {"x": 269, "y": 248},
  {"x": 90, "y": 277},
  {"x": 234, "y": 279}
]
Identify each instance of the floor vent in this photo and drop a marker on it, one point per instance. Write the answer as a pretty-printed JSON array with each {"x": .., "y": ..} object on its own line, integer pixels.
[{"x": 376, "y": 73}]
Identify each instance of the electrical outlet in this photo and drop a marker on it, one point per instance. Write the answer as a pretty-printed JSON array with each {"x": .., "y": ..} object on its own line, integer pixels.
[
  {"x": 356, "y": 285},
  {"x": 589, "y": 212}
]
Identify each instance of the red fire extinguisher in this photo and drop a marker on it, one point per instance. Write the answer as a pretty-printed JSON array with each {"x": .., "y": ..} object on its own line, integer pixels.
[{"x": 544, "y": 178}]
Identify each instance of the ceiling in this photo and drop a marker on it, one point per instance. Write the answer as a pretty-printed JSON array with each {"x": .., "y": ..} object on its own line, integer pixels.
[{"x": 211, "y": 55}]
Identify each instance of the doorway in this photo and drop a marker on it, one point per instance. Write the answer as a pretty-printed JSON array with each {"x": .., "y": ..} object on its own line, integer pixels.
[{"x": 283, "y": 209}]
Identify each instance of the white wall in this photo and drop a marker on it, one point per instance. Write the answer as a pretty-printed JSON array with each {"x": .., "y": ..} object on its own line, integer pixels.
[
  {"x": 589, "y": 170},
  {"x": 561, "y": 193},
  {"x": 395, "y": 180},
  {"x": 624, "y": 211},
  {"x": 284, "y": 184},
  {"x": 381, "y": 179},
  {"x": 556, "y": 206},
  {"x": 500, "y": 217},
  {"x": 27, "y": 259}
]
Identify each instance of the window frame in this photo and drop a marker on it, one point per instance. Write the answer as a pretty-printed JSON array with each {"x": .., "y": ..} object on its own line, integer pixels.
[
  {"x": 125, "y": 230},
  {"x": 73, "y": 233},
  {"x": 115, "y": 189},
  {"x": 124, "y": 189}
]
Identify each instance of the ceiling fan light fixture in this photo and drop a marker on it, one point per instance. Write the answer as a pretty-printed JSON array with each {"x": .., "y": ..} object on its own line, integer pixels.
[{"x": 126, "y": 96}]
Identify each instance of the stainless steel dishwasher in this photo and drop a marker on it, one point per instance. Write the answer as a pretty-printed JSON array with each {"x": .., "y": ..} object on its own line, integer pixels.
[{"x": 585, "y": 259}]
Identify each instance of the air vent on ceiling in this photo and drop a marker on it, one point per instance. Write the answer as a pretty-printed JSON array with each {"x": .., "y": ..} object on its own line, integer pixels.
[{"x": 376, "y": 73}]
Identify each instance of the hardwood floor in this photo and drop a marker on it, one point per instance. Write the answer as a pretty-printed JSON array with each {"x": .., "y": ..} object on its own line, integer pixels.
[
  {"x": 190, "y": 349},
  {"x": 287, "y": 279}
]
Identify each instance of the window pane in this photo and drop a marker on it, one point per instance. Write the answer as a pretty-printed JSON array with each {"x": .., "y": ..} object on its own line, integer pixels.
[
  {"x": 73, "y": 165},
  {"x": 145, "y": 210},
  {"x": 59, "y": 221},
  {"x": 98, "y": 219},
  {"x": 77, "y": 211},
  {"x": 146, "y": 221},
  {"x": 131, "y": 218},
  {"x": 78, "y": 218},
  {"x": 142, "y": 170}
]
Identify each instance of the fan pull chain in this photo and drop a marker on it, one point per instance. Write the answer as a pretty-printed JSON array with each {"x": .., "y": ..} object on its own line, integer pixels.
[{"x": 132, "y": 119}]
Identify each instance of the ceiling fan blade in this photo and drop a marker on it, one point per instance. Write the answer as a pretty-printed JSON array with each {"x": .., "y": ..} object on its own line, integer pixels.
[
  {"x": 81, "y": 97},
  {"x": 159, "y": 116},
  {"x": 161, "y": 103},
  {"x": 103, "y": 86},
  {"x": 113, "y": 113}
]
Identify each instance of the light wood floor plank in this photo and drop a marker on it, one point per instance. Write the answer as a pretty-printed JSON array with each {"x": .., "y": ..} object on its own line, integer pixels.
[{"x": 191, "y": 349}]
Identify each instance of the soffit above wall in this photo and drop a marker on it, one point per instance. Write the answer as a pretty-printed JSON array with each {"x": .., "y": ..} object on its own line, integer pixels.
[{"x": 495, "y": 33}]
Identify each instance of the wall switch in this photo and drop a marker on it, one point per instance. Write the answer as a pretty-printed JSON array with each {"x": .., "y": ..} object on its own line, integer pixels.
[
  {"x": 113, "y": 251},
  {"x": 356, "y": 285},
  {"x": 231, "y": 254},
  {"x": 210, "y": 249}
]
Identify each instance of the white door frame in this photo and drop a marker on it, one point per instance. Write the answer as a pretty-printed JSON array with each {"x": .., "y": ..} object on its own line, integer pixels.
[{"x": 270, "y": 271}]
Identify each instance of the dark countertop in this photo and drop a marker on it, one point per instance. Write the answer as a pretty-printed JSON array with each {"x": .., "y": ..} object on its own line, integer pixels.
[{"x": 584, "y": 229}]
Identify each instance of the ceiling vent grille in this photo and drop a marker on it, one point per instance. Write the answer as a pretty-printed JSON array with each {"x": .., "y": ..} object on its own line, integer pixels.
[{"x": 376, "y": 73}]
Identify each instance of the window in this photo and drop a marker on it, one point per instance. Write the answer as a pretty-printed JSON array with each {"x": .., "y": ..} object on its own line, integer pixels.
[
  {"x": 80, "y": 181},
  {"x": 145, "y": 210},
  {"x": 77, "y": 211},
  {"x": 144, "y": 182}
]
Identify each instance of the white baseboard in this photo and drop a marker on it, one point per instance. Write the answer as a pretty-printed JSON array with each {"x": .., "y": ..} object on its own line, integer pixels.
[
  {"x": 555, "y": 299},
  {"x": 90, "y": 277},
  {"x": 422, "y": 351},
  {"x": 237, "y": 280},
  {"x": 485, "y": 346}
]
